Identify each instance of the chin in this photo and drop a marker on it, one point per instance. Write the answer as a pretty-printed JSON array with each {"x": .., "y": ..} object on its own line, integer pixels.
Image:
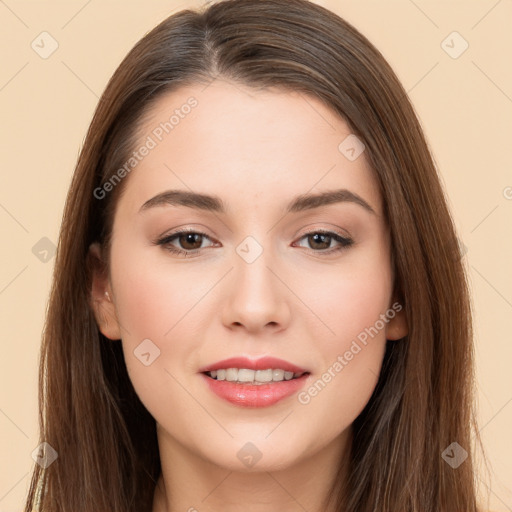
[{"x": 249, "y": 454}]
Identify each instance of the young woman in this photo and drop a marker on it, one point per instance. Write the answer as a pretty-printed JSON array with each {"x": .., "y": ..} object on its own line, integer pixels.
[{"x": 258, "y": 300}]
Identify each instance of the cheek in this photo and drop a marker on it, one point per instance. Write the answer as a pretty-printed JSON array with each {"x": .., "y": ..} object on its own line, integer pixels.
[
  {"x": 152, "y": 305},
  {"x": 148, "y": 306},
  {"x": 336, "y": 397},
  {"x": 352, "y": 302},
  {"x": 153, "y": 300},
  {"x": 145, "y": 305},
  {"x": 356, "y": 309}
]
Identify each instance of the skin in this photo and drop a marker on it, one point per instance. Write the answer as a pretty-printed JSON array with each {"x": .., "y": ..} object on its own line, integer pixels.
[{"x": 256, "y": 150}]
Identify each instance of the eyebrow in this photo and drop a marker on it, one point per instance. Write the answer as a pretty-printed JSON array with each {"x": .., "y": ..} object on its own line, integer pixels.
[{"x": 215, "y": 204}]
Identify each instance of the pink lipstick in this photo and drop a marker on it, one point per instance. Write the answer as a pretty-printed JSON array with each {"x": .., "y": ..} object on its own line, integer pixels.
[{"x": 254, "y": 382}]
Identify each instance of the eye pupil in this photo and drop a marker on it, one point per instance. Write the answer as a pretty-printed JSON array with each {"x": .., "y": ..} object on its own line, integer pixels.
[
  {"x": 323, "y": 236},
  {"x": 191, "y": 238}
]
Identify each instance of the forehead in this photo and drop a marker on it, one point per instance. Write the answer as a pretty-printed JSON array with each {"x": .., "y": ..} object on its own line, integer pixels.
[{"x": 240, "y": 143}]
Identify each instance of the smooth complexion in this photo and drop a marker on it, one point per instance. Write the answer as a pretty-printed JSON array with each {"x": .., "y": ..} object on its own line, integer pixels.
[{"x": 301, "y": 300}]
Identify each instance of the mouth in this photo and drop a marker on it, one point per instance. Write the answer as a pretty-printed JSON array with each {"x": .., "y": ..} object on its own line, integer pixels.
[{"x": 247, "y": 382}]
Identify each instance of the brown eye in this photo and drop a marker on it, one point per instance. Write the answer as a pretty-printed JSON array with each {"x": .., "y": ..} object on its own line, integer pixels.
[
  {"x": 185, "y": 243},
  {"x": 320, "y": 241},
  {"x": 190, "y": 241}
]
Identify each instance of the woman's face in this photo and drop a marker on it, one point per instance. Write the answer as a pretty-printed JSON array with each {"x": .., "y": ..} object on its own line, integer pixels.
[{"x": 277, "y": 272}]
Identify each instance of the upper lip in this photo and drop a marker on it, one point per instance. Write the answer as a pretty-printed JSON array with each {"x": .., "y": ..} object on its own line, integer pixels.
[{"x": 262, "y": 363}]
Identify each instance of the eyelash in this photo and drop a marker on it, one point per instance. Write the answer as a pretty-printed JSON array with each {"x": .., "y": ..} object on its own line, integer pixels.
[{"x": 166, "y": 241}]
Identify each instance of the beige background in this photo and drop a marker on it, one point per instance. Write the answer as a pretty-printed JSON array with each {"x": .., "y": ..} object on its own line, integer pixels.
[{"x": 464, "y": 103}]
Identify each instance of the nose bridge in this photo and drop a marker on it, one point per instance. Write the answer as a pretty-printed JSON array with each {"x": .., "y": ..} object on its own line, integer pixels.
[
  {"x": 253, "y": 277},
  {"x": 256, "y": 296}
]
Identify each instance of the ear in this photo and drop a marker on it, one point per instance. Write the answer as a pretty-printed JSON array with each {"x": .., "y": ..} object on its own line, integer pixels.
[
  {"x": 102, "y": 298},
  {"x": 397, "y": 326}
]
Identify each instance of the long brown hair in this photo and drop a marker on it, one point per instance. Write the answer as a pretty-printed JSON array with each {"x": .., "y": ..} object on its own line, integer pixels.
[{"x": 108, "y": 457}]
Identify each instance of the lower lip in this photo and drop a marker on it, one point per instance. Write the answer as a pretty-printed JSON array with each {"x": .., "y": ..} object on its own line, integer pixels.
[{"x": 251, "y": 395}]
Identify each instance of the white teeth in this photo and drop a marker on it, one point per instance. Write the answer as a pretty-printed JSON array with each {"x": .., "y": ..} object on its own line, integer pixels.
[
  {"x": 242, "y": 375},
  {"x": 277, "y": 375},
  {"x": 263, "y": 375},
  {"x": 232, "y": 374},
  {"x": 252, "y": 376}
]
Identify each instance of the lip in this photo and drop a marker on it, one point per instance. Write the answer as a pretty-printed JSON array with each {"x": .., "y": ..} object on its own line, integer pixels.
[
  {"x": 254, "y": 395},
  {"x": 263, "y": 363},
  {"x": 251, "y": 395}
]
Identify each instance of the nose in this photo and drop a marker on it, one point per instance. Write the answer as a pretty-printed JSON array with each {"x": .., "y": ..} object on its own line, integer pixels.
[{"x": 257, "y": 298}]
